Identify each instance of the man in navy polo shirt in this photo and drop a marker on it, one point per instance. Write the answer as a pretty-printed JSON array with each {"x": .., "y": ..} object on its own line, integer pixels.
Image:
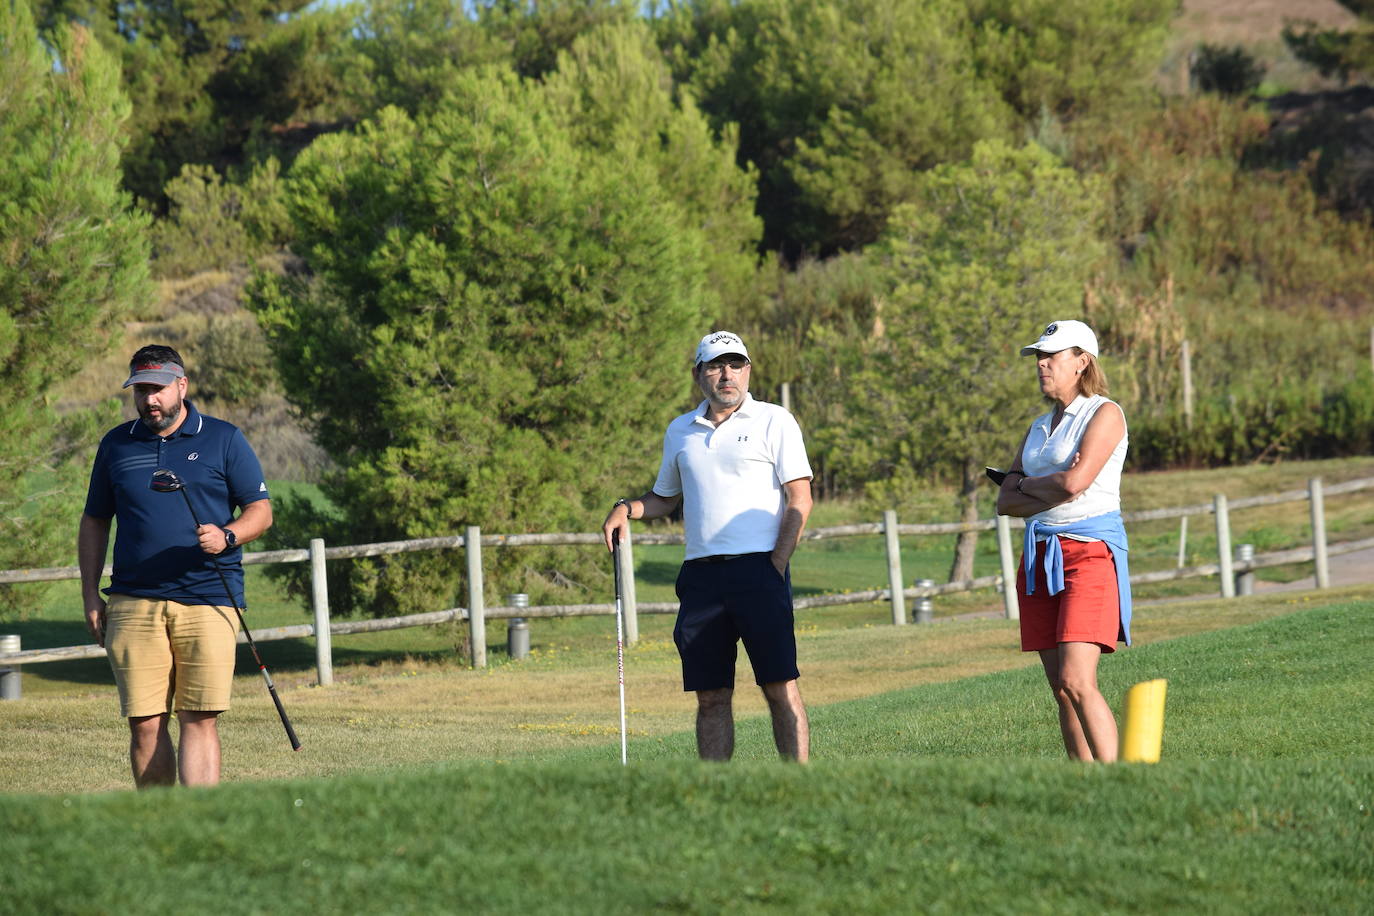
[
  {"x": 168, "y": 626},
  {"x": 739, "y": 468}
]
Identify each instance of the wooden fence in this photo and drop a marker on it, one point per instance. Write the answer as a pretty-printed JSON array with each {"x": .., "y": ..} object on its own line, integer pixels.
[{"x": 1234, "y": 574}]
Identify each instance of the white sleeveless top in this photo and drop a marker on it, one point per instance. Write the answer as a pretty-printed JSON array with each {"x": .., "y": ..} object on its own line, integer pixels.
[{"x": 1046, "y": 453}]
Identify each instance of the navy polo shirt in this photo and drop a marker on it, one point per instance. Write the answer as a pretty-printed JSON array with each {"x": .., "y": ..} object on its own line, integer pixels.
[{"x": 156, "y": 552}]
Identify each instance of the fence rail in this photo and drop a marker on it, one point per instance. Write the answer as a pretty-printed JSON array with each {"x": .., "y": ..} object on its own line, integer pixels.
[{"x": 476, "y": 614}]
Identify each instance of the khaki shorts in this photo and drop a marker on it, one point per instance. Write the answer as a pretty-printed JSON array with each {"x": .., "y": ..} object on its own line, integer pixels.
[{"x": 168, "y": 655}]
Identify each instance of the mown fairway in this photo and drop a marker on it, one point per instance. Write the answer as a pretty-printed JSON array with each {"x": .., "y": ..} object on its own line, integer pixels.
[{"x": 949, "y": 796}]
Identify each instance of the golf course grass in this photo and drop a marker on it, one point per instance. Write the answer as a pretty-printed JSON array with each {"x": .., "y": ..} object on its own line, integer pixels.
[{"x": 950, "y": 796}]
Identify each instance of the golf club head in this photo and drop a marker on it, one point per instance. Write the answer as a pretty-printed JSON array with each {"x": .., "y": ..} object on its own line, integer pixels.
[{"x": 165, "y": 481}]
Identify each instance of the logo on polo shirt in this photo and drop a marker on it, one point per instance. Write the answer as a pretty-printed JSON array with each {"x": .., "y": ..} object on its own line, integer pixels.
[
  {"x": 741, "y": 438},
  {"x": 262, "y": 487},
  {"x": 193, "y": 456}
]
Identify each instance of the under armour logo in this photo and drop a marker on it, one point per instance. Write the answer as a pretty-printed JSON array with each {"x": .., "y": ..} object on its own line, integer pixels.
[{"x": 193, "y": 456}]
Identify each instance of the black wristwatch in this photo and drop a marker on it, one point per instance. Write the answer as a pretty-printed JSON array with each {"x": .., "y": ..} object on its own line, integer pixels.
[
  {"x": 230, "y": 539},
  {"x": 622, "y": 501}
]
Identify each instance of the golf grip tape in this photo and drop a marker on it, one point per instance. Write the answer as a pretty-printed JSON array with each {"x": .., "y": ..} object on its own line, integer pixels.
[{"x": 281, "y": 711}]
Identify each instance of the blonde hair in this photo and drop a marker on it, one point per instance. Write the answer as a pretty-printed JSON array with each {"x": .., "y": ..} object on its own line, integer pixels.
[{"x": 1093, "y": 381}]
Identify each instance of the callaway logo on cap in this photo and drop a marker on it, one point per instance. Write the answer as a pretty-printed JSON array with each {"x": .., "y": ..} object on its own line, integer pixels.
[{"x": 719, "y": 343}]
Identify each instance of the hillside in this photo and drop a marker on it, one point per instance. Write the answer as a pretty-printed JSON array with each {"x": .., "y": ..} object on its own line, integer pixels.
[{"x": 1257, "y": 25}]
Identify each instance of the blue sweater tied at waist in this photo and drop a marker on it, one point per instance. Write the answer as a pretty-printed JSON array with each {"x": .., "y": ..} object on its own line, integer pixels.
[{"x": 1106, "y": 528}]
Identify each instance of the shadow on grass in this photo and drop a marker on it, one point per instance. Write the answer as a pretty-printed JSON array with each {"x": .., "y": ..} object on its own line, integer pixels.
[
  {"x": 285, "y": 656},
  {"x": 297, "y": 656}
]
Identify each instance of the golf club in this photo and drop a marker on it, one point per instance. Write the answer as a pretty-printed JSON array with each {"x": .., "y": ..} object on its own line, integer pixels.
[
  {"x": 166, "y": 481},
  {"x": 619, "y": 640}
]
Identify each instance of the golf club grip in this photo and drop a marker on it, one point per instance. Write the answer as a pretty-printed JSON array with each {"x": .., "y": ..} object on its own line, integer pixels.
[
  {"x": 271, "y": 687},
  {"x": 281, "y": 711},
  {"x": 615, "y": 560}
]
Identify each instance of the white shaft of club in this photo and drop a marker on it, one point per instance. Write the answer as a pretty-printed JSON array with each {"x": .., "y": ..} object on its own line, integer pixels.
[{"x": 620, "y": 670}]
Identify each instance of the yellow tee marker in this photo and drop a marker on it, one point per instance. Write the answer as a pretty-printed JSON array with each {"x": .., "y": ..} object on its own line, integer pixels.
[{"x": 1144, "y": 732}]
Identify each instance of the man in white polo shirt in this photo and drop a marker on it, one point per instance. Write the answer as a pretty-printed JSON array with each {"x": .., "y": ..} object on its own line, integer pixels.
[{"x": 739, "y": 468}]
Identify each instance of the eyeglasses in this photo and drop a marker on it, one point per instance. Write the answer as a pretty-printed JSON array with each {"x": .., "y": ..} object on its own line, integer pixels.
[{"x": 715, "y": 367}]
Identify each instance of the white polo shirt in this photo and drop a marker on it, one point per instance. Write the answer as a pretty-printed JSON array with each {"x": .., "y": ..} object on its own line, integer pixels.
[
  {"x": 731, "y": 476},
  {"x": 1047, "y": 452}
]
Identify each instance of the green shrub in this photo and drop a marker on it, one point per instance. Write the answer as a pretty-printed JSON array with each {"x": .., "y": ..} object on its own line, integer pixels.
[
  {"x": 1225, "y": 69},
  {"x": 1294, "y": 419},
  {"x": 203, "y": 229}
]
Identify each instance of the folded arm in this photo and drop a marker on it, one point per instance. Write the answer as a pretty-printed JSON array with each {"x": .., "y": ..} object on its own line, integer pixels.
[{"x": 1024, "y": 496}]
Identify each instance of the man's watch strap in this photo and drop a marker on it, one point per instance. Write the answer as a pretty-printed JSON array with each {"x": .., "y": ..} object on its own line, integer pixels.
[
  {"x": 231, "y": 540},
  {"x": 622, "y": 501}
]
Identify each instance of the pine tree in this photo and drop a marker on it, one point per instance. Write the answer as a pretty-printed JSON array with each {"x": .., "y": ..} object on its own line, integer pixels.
[
  {"x": 991, "y": 251},
  {"x": 73, "y": 263},
  {"x": 494, "y": 329}
]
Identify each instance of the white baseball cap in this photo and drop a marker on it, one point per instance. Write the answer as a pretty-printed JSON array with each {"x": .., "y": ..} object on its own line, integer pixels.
[
  {"x": 719, "y": 343},
  {"x": 1060, "y": 335}
]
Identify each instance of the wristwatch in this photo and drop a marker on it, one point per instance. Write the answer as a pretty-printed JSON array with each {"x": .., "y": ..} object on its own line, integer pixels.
[
  {"x": 622, "y": 501},
  {"x": 230, "y": 539}
]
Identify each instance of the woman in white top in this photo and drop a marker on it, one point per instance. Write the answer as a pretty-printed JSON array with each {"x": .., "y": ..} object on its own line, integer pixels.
[{"x": 1073, "y": 584}]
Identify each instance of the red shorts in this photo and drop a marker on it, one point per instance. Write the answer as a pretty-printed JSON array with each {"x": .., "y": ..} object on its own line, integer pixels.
[{"x": 1087, "y": 610}]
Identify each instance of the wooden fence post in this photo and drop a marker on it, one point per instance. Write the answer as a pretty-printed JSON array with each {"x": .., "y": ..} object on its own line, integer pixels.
[
  {"x": 628, "y": 606},
  {"x": 1008, "y": 558},
  {"x": 319, "y": 600},
  {"x": 1321, "y": 568},
  {"x": 894, "y": 567},
  {"x": 785, "y": 396},
  {"x": 1228, "y": 582},
  {"x": 477, "y": 608},
  {"x": 1182, "y": 541}
]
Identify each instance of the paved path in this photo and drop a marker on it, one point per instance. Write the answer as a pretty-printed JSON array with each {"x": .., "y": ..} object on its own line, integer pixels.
[
  {"x": 1346, "y": 569},
  {"x": 1355, "y": 568}
]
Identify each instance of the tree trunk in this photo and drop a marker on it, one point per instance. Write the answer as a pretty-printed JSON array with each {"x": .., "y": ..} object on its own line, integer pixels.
[{"x": 964, "y": 547}]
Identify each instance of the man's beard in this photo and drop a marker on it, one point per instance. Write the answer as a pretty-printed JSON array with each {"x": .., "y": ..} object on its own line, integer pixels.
[
  {"x": 169, "y": 417},
  {"x": 723, "y": 399}
]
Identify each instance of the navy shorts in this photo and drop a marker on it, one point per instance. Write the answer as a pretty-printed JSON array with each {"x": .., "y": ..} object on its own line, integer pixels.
[{"x": 725, "y": 601}]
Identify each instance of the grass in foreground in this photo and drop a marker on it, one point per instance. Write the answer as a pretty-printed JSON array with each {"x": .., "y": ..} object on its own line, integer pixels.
[{"x": 923, "y": 799}]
